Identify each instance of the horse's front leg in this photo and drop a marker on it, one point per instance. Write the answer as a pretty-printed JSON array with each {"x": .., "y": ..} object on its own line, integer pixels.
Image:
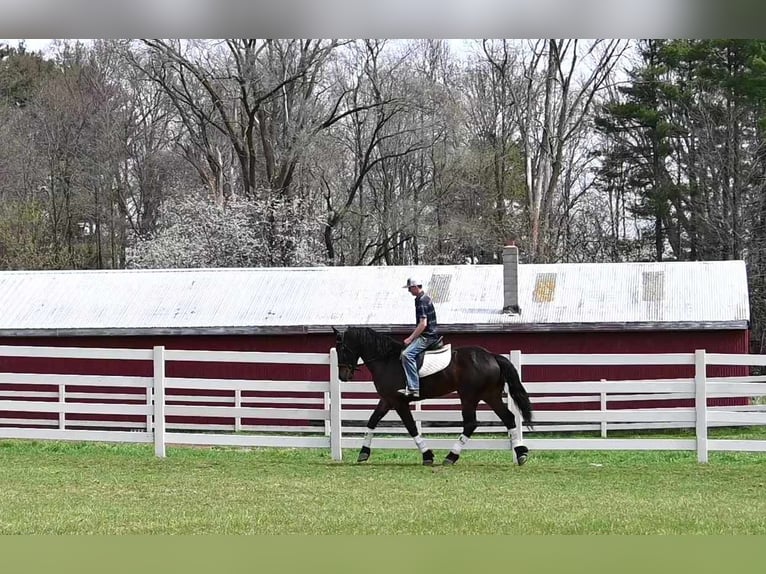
[
  {"x": 402, "y": 407},
  {"x": 376, "y": 416}
]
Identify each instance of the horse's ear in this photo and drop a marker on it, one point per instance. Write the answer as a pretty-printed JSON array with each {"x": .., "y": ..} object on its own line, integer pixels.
[{"x": 334, "y": 330}]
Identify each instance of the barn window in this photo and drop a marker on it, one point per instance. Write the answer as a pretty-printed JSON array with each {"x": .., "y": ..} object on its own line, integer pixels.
[
  {"x": 545, "y": 287},
  {"x": 438, "y": 288},
  {"x": 653, "y": 286}
]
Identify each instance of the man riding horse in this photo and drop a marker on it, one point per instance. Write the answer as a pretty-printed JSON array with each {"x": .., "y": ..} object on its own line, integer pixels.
[
  {"x": 424, "y": 335},
  {"x": 475, "y": 373}
]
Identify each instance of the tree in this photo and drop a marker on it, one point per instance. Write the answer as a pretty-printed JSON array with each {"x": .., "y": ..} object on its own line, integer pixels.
[
  {"x": 490, "y": 187},
  {"x": 369, "y": 190},
  {"x": 685, "y": 133},
  {"x": 21, "y": 75},
  {"x": 562, "y": 78},
  {"x": 258, "y": 95},
  {"x": 198, "y": 232}
]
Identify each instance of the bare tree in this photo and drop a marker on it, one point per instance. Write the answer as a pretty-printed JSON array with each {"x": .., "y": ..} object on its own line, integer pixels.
[
  {"x": 366, "y": 184},
  {"x": 257, "y": 94},
  {"x": 562, "y": 77}
]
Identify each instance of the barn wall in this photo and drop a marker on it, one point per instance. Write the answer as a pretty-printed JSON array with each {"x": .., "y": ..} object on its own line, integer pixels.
[{"x": 590, "y": 342}]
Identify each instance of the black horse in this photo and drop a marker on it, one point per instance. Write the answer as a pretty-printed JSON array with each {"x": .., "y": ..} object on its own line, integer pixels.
[{"x": 474, "y": 372}]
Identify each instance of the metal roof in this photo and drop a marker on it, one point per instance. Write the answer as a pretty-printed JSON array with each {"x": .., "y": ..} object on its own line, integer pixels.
[{"x": 687, "y": 295}]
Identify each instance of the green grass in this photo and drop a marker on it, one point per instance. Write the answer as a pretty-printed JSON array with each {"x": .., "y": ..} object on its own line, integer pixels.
[{"x": 91, "y": 488}]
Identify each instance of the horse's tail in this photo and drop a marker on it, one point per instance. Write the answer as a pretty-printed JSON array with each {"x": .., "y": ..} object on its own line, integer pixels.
[{"x": 516, "y": 389}]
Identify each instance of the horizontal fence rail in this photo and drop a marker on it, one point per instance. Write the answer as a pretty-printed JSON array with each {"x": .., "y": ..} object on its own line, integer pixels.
[{"x": 265, "y": 412}]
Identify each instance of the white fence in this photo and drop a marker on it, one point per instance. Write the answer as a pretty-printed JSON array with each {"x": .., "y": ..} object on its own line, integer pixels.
[{"x": 333, "y": 414}]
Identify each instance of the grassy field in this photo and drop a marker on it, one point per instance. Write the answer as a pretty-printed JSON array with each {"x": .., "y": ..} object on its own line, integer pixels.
[{"x": 74, "y": 488}]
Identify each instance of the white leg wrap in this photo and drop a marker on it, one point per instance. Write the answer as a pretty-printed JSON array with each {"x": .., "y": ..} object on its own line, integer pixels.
[
  {"x": 368, "y": 438},
  {"x": 459, "y": 444},
  {"x": 515, "y": 434},
  {"x": 421, "y": 444}
]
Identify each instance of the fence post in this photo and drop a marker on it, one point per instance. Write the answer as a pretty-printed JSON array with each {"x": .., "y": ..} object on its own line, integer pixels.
[
  {"x": 150, "y": 404},
  {"x": 603, "y": 410},
  {"x": 700, "y": 403},
  {"x": 516, "y": 360},
  {"x": 237, "y": 405},
  {"x": 62, "y": 402},
  {"x": 335, "y": 421},
  {"x": 159, "y": 401}
]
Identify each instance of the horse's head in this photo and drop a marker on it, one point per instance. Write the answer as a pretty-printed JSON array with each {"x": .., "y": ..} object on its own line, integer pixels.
[{"x": 348, "y": 356}]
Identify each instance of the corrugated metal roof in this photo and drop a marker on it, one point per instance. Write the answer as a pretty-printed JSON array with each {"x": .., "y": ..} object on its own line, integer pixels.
[{"x": 552, "y": 297}]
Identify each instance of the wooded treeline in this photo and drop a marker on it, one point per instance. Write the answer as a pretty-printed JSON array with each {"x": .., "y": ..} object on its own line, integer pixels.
[{"x": 242, "y": 152}]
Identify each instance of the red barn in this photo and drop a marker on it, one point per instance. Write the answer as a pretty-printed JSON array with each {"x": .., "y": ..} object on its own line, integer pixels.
[{"x": 556, "y": 308}]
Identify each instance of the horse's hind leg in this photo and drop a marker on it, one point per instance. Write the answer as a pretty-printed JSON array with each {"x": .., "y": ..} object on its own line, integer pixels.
[
  {"x": 495, "y": 401},
  {"x": 380, "y": 411},
  {"x": 402, "y": 407},
  {"x": 469, "y": 425}
]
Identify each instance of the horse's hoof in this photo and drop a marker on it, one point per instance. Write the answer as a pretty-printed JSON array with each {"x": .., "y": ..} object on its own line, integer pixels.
[
  {"x": 451, "y": 459},
  {"x": 428, "y": 458},
  {"x": 522, "y": 454},
  {"x": 364, "y": 454}
]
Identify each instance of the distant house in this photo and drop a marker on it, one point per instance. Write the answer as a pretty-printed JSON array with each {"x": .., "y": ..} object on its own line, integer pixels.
[{"x": 564, "y": 308}]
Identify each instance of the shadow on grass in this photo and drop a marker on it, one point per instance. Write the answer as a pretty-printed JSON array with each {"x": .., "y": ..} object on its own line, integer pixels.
[{"x": 437, "y": 466}]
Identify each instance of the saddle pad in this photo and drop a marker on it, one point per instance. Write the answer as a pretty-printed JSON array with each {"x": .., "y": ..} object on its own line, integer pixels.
[{"x": 435, "y": 361}]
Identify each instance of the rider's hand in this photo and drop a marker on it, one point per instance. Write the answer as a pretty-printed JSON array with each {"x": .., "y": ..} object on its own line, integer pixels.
[{"x": 408, "y": 340}]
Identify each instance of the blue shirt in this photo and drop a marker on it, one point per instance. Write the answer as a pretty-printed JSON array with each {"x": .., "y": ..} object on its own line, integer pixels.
[{"x": 424, "y": 307}]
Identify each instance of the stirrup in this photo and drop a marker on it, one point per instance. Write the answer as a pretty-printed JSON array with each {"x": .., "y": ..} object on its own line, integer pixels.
[{"x": 409, "y": 393}]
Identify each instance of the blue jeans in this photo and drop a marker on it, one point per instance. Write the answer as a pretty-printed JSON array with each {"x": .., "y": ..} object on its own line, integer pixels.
[{"x": 409, "y": 360}]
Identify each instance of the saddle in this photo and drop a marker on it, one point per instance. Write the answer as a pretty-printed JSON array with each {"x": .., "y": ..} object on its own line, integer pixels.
[{"x": 435, "y": 358}]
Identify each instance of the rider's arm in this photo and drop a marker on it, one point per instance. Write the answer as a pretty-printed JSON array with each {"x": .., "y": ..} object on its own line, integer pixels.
[{"x": 421, "y": 326}]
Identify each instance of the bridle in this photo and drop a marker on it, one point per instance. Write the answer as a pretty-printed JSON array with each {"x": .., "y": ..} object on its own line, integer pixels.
[
  {"x": 342, "y": 346},
  {"x": 352, "y": 368}
]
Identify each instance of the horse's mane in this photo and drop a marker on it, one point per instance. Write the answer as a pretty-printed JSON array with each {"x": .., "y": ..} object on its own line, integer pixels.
[{"x": 376, "y": 343}]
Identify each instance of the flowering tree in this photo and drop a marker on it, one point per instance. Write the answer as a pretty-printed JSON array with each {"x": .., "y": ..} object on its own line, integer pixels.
[{"x": 194, "y": 231}]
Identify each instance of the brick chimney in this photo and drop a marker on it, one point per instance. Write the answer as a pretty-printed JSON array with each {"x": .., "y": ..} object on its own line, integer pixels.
[{"x": 511, "y": 280}]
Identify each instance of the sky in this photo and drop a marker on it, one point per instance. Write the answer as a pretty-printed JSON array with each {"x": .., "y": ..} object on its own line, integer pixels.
[
  {"x": 33, "y": 45},
  {"x": 459, "y": 47}
]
